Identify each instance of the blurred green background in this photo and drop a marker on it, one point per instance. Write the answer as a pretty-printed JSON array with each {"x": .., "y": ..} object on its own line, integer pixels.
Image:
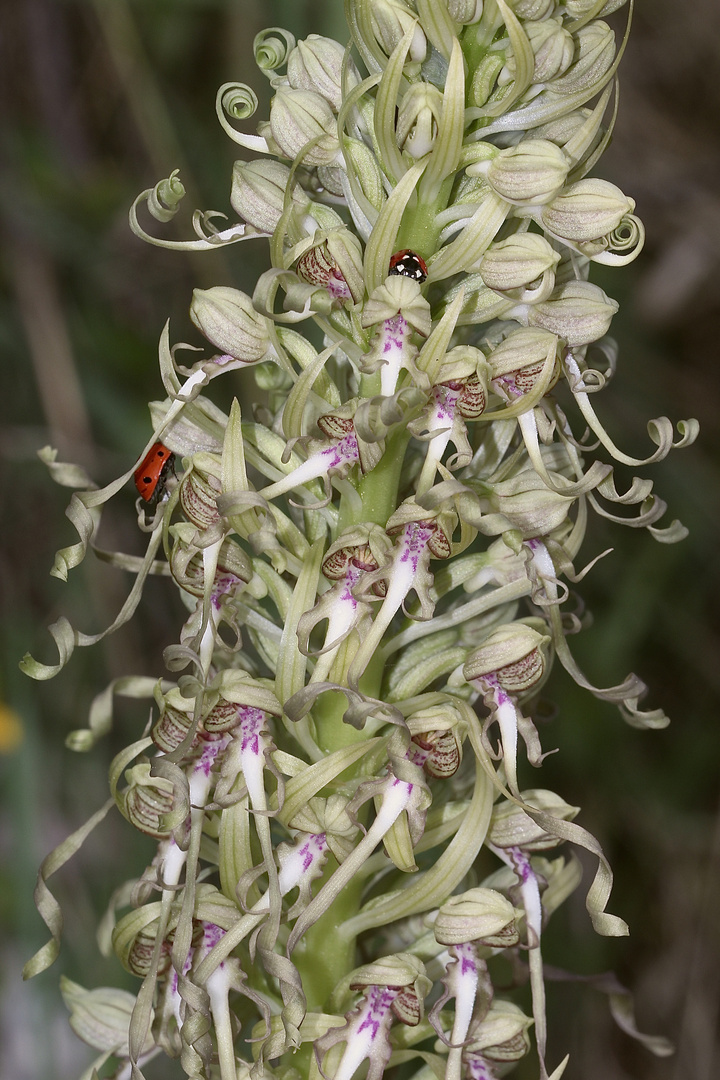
[{"x": 99, "y": 99}]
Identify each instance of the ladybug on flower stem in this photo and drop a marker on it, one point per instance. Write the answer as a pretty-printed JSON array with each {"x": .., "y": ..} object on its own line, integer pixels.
[
  {"x": 151, "y": 476},
  {"x": 409, "y": 264}
]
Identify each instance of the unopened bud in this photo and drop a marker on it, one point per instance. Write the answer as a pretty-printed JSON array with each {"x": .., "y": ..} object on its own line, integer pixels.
[
  {"x": 298, "y": 117},
  {"x": 465, "y": 12},
  {"x": 579, "y": 8},
  {"x": 482, "y": 915},
  {"x": 586, "y": 210},
  {"x": 316, "y": 64},
  {"x": 518, "y": 262},
  {"x": 502, "y": 1034},
  {"x": 199, "y": 491},
  {"x": 513, "y": 654},
  {"x": 147, "y": 801},
  {"x": 390, "y": 20},
  {"x": 229, "y": 321},
  {"x": 101, "y": 1017},
  {"x": 531, "y": 10},
  {"x": 510, "y": 826},
  {"x": 594, "y": 55},
  {"x": 418, "y": 118},
  {"x": 175, "y": 721},
  {"x": 528, "y": 504},
  {"x": 531, "y": 172},
  {"x": 577, "y": 311},
  {"x": 553, "y": 47},
  {"x": 258, "y": 192}
]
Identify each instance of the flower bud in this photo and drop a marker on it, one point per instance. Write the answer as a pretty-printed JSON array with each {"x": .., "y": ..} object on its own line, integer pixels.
[
  {"x": 482, "y": 915},
  {"x": 299, "y": 116},
  {"x": 333, "y": 259},
  {"x": 258, "y": 192},
  {"x": 175, "y": 721},
  {"x": 586, "y": 210},
  {"x": 517, "y": 262},
  {"x": 530, "y": 10},
  {"x": 229, "y": 321},
  {"x": 139, "y": 957},
  {"x": 101, "y": 1017},
  {"x": 514, "y": 654},
  {"x": 553, "y": 47},
  {"x": 531, "y": 172},
  {"x": 577, "y": 311},
  {"x": 561, "y": 129},
  {"x": 316, "y": 64},
  {"x": 502, "y": 1034},
  {"x": 147, "y": 801},
  {"x": 465, "y": 12},
  {"x": 528, "y": 504},
  {"x": 510, "y": 826},
  {"x": 199, "y": 490},
  {"x": 418, "y": 118},
  {"x": 579, "y": 8},
  {"x": 390, "y": 20},
  {"x": 594, "y": 55}
]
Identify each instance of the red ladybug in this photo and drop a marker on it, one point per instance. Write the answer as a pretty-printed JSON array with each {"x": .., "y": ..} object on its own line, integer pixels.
[
  {"x": 150, "y": 478},
  {"x": 408, "y": 263}
]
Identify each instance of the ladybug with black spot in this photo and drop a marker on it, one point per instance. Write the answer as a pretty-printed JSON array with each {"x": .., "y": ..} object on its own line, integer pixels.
[
  {"x": 152, "y": 474},
  {"x": 409, "y": 264}
]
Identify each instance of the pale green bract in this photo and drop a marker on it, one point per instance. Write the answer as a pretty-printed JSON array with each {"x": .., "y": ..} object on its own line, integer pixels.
[{"x": 373, "y": 556}]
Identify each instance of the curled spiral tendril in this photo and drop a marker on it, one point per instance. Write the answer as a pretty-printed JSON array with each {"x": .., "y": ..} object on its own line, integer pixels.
[
  {"x": 238, "y": 100},
  {"x": 272, "y": 48},
  {"x": 628, "y": 236},
  {"x": 164, "y": 200}
]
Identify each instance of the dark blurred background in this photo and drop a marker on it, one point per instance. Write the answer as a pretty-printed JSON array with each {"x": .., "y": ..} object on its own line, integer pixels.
[{"x": 100, "y": 99}]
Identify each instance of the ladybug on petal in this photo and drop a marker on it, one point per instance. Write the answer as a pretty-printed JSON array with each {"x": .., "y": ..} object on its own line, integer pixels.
[
  {"x": 151, "y": 476},
  {"x": 408, "y": 263}
]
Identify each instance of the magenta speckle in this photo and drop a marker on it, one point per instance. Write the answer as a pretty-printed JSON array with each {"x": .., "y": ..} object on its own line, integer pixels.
[
  {"x": 446, "y": 400},
  {"x": 251, "y": 727},
  {"x": 211, "y": 749},
  {"x": 467, "y": 957},
  {"x": 222, "y": 585},
  {"x": 379, "y": 1001},
  {"x": 211, "y": 935},
  {"x": 521, "y": 864}
]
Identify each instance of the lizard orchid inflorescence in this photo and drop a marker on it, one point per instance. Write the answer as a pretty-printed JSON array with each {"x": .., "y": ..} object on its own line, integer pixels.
[{"x": 374, "y": 553}]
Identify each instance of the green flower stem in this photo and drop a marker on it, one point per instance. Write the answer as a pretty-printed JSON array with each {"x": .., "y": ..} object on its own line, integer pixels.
[
  {"x": 419, "y": 229},
  {"x": 379, "y": 488},
  {"x": 331, "y": 732}
]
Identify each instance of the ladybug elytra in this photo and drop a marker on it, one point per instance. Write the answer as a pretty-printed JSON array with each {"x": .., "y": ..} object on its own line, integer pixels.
[
  {"x": 408, "y": 263},
  {"x": 150, "y": 477}
]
